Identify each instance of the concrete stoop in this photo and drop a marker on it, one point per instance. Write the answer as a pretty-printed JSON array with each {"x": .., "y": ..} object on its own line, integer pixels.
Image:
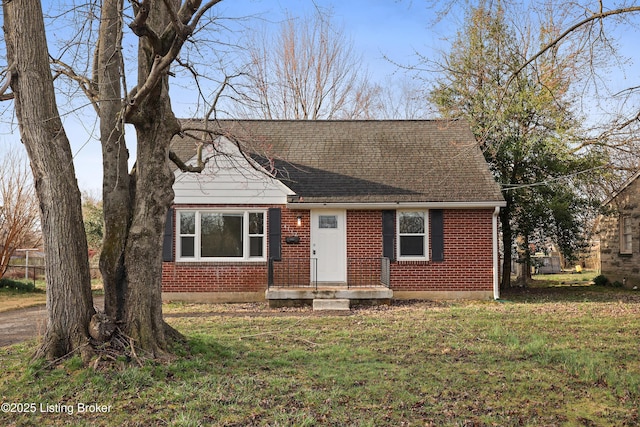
[{"x": 331, "y": 304}]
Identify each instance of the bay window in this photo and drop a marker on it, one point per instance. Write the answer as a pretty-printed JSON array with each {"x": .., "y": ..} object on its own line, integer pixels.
[{"x": 208, "y": 235}]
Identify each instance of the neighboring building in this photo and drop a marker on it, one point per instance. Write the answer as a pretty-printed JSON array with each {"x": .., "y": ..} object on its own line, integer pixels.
[
  {"x": 335, "y": 209},
  {"x": 619, "y": 232}
]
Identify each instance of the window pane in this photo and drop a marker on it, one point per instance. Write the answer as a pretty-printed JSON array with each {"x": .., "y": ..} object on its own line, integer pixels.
[
  {"x": 221, "y": 235},
  {"x": 256, "y": 223},
  {"x": 411, "y": 245},
  {"x": 187, "y": 223},
  {"x": 328, "y": 221},
  {"x": 255, "y": 246},
  {"x": 412, "y": 222},
  {"x": 187, "y": 246},
  {"x": 626, "y": 240}
]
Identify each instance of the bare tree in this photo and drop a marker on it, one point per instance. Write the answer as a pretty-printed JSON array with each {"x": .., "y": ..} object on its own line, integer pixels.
[
  {"x": 308, "y": 70},
  {"x": 19, "y": 218},
  {"x": 135, "y": 202},
  {"x": 593, "y": 27},
  {"x": 402, "y": 98},
  {"x": 69, "y": 300}
]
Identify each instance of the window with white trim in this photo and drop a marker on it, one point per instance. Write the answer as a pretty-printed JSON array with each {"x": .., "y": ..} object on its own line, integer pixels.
[
  {"x": 412, "y": 241},
  {"x": 220, "y": 235},
  {"x": 626, "y": 235}
]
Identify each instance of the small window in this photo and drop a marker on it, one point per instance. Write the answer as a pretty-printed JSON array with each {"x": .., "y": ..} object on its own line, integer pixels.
[
  {"x": 412, "y": 234},
  {"x": 328, "y": 221},
  {"x": 626, "y": 235},
  {"x": 187, "y": 234},
  {"x": 256, "y": 234}
]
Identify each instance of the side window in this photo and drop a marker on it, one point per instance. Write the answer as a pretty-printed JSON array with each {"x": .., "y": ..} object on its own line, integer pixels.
[
  {"x": 256, "y": 234},
  {"x": 187, "y": 234},
  {"x": 412, "y": 234},
  {"x": 626, "y": 235}
]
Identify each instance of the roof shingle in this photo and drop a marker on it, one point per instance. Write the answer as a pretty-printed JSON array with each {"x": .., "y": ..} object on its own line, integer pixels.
[{"x": 367, "y": 161}]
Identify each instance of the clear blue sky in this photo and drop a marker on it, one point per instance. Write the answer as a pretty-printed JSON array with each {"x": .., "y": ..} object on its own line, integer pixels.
[{"x": 378, "y": 28}]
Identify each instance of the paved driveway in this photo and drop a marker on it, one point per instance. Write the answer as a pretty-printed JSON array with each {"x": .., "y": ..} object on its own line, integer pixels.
[{"x": 26, "y": 323}]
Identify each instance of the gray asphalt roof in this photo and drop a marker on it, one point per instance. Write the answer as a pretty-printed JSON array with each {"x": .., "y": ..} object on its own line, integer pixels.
[{"x": 366, "y": 160}]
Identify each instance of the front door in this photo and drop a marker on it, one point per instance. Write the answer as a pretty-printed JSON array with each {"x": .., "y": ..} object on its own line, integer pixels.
[{"x": 329, "y": 246}]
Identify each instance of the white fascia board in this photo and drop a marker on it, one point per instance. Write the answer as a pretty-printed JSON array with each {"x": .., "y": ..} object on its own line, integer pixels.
[{"x": 399, "y": 205}]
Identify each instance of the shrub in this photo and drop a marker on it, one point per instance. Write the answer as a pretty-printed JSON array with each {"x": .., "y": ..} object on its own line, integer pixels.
[
  {"x": 17, "y": 285},
  {"x": 617, "y": 284},
  {"x": 600, "y": 280}
]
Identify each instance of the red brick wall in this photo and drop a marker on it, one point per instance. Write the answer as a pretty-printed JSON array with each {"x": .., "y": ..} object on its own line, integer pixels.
[
  {"x": 295, "y": 266},
  {"x": 467, "y": 265},
  {"x": 214, "y": 277},
  {"x": 468, "y": 258},
  {"x": 468, "y": 252}
]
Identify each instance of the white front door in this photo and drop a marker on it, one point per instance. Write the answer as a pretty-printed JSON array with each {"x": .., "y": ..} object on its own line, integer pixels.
[{"x": 329, "y": 246}]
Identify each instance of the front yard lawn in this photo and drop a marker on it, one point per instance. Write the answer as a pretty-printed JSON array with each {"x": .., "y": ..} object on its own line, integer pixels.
[{"x": 566, "y": 356}]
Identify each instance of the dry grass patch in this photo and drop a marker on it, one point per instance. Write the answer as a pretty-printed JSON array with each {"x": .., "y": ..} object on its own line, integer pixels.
[
  {"x": 537, "y": 359},
  {"x": 17, "y": 301}
]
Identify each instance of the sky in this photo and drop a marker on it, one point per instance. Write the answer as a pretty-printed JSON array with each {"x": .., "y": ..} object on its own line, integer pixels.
[{"x": 379, "y": 29}]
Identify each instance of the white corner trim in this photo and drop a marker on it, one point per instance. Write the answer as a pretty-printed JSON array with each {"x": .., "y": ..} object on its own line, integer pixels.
[{"x": 496, "y": 258}]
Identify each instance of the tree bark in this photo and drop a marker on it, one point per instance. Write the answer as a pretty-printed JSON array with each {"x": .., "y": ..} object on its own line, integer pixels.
[
  {"x": 155, "y": 126},
  {"x": 69, "y": 299},
  {"x": 116, "y": 185},
  {"x": 507, "y": 239},
  {"x": 143, "y": 253}
]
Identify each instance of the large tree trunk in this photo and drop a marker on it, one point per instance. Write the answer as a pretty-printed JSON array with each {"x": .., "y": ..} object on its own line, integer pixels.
[
  {"x": 507, "y": 241},
  {"x": 69, "y": 300},
  {"x": 143, "y": 254},
  {"x": 155, "y": 126},
  {"x": 116, "y": 188}
]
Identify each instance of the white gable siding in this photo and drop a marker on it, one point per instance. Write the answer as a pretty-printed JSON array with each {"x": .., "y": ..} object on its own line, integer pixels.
[{"x": 228, "y": 179}]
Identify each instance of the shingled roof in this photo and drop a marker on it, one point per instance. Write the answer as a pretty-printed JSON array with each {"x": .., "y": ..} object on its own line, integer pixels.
[{"x": 366, "y": 161}]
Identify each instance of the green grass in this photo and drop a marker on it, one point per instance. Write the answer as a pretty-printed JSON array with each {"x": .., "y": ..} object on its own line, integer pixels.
[
  {"x": 565, "y": 278},
  {"x": 561, "y": 356},
  {"x": 18, "y": 286}
]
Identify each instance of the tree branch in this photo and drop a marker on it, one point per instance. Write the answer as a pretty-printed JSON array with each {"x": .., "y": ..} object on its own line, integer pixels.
[
  {"x": 594, "y": 17},
  {"x": 85, "y": 84},
  {"x": 188, "y": 168},
  {"x": 5, "y": 86}
]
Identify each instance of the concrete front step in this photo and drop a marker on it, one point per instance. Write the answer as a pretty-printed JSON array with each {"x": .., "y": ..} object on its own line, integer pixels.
[
  {"x": 331, "y": 304},
  {"x": 276, "y": 293}
]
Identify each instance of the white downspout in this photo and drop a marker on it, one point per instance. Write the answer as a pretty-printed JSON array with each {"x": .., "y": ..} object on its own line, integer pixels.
[{"x": 496, "y": 260}]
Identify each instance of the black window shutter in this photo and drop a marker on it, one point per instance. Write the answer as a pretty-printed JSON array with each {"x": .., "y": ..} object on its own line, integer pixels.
[
  {"x": 275, "y": 233},
  {"x": 167, "y": 241},
  {"x": 437, "y": 235},
  {"x": 388, "y": 234}
]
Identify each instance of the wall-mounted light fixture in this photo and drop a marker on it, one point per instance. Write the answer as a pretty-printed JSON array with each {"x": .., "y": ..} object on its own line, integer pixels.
[{"x": 299, "y": 223}]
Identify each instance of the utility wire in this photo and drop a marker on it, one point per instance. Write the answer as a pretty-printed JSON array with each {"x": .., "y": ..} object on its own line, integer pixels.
[{"x": 509, "y": 187}]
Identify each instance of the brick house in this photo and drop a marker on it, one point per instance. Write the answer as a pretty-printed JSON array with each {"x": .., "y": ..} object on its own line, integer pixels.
[
  {"x": 619, "y": 233},
  {"x": 334, "y": 209}
]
